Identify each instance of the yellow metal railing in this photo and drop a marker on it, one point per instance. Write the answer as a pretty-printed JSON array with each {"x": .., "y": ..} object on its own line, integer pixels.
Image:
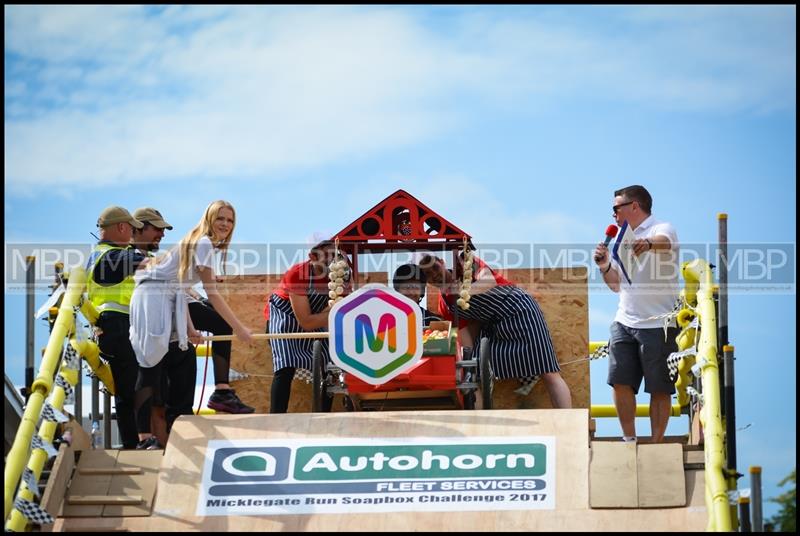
[
  {"x": 699, "y": 293},
  {"x": 20, "y": 453},
  {"x": 90, "y": 352},
  {"x": 686, "y": 339},
  {"x": 642, "y": 410}
]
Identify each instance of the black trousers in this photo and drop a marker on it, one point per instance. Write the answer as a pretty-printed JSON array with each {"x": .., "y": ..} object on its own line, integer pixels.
[
  {"x": 205, "y": 318},
  {"x": 115, "y": 347},
  {"x": 171, "y": 383},
  {"x": 281, "y": 390}
]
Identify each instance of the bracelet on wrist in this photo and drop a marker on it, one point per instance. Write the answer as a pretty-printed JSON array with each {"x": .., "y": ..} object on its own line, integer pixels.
[
  {"x": 649, "y": 244},
  {"x": 608, "y": 268}
]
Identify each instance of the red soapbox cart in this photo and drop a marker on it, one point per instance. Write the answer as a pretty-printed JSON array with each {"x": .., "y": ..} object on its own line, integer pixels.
[
  {"x": 447, "y": 376},
  {"x": 440, "y": 380}
]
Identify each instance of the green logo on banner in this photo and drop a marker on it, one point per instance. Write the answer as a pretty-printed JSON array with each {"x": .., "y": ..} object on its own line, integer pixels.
[{"x": 250, "y": 463}]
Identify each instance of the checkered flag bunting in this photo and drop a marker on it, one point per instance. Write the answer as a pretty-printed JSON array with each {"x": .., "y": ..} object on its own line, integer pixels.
[
  {"x": 674, "y": 359},
  {"x": 38, "y": 443},
  {"x": 676, "y": 308},
  {"x": 87, "y": 370},
  {"x": 52, "y": 414},
  {"x": 68, "y": 390},
  {"x": 694, "y": 394},
  {"x": 526, "y": 385},
  {"x": 30, "y": 481},
  {"x": 33, "y": 512},
  {"x": 600, "y": 353},
  {"x": 234, "y": 375},
  {"x": 303, "y": 375},
  {"x": 71, "y": 359}
]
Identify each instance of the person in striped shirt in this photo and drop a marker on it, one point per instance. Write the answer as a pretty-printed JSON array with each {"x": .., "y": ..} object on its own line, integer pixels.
[{"x": 510, "y": 318}]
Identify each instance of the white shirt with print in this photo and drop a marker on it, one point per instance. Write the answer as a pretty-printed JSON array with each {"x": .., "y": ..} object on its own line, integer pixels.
[{"x": 654, "y": 283}]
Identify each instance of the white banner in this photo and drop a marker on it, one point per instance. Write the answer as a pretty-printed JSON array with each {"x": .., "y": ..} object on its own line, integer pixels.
[{"x": 368, "y": 475}]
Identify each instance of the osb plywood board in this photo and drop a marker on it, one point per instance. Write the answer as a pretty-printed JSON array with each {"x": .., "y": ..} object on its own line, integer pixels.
[
  {"x": 247, "y": 296},
  {"x": 562, "y": 294}
]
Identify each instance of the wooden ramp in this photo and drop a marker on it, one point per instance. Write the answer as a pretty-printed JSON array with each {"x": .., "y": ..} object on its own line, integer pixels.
[
  {"x": 104, "y": 483},
  {"x": 514, "y": 470}
]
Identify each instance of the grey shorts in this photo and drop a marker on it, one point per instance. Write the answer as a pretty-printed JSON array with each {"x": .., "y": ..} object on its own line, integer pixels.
[{"x": 636, "y": 353}]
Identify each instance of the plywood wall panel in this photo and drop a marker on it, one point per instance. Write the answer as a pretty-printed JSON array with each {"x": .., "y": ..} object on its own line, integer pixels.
[{"x": 562, "y": 294}]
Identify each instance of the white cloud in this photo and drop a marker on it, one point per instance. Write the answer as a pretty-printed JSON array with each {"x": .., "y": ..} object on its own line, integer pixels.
[
  {"x": 255, "y": 101},
  {"x": 100, "y": 94}
]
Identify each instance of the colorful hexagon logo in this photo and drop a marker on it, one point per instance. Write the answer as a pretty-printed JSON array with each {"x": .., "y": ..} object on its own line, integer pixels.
[{"x": 375, "y": 334}]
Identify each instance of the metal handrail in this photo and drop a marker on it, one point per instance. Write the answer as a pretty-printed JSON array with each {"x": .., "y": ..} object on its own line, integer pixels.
[
  {"x": 20, "y": 454},
  {"x": 700, "y": 294}
]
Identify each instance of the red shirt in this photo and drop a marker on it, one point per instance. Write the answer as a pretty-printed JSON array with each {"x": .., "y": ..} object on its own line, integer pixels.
[
  {"x": 499, "y": 279},
  {"x": 297, "y": 280}
]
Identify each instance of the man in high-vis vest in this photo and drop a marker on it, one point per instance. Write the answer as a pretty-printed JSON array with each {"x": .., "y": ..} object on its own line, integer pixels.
[{"x": 110, "y": 270}]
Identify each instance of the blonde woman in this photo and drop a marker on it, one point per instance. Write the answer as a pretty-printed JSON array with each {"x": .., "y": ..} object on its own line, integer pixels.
[
  {"x": 160, "y": 314},
  {"x": 214, "y": 315}
]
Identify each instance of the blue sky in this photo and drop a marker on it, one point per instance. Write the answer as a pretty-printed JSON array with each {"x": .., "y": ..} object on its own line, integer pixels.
[{"x": 515, "y": 123}]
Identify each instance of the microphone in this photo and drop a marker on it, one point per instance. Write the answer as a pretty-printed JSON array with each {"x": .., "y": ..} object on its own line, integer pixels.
[{"x": 611, "y": 232}]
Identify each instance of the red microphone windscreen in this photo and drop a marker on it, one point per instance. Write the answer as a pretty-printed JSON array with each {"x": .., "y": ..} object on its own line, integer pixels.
[{"x": 612, "y": 230}]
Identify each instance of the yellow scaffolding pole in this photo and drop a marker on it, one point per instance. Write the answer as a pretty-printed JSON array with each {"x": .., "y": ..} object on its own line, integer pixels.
[
  {"x": 699, "y": 290},
  {"x": 685, "y": 340},
  {"x": 642, "y": 410},
  {"x": 89, "y": 351},
  {"x": 20, "y": 452}
]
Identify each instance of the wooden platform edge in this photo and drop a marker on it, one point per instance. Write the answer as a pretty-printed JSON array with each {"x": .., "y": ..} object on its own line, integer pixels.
[{"x": 57, "y": 484}]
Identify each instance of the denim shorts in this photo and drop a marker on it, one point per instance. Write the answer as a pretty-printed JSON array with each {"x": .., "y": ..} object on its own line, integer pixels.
[{"x": 635, "y": 353}]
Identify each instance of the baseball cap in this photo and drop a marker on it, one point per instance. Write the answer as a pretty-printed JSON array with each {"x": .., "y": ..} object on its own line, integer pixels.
[
  {"x": 151, "y": 216},
  {"x": 114, "y": 214}
]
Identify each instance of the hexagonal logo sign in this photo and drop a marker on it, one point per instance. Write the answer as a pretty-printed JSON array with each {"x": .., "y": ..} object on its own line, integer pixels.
[{"x": 375, "y": 333}]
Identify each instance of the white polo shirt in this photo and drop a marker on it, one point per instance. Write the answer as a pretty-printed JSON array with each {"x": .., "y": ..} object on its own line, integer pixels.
[{"x": 654, "y": 283}]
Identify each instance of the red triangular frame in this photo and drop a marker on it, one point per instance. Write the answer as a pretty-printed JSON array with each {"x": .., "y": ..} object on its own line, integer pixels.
[{"x": 384, "y": 221}]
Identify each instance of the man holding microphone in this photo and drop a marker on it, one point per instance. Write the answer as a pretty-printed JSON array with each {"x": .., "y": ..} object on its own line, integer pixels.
[{"x": 638, "y": 347}]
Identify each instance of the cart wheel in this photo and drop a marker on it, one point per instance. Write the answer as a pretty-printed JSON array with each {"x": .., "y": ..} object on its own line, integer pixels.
[
  {"x": 486, "y": 373},
  {"x": 318, "y": 379}
]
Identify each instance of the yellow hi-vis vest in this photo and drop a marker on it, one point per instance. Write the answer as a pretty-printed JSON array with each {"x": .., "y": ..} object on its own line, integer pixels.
[{"x": 107, "y": 297}]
